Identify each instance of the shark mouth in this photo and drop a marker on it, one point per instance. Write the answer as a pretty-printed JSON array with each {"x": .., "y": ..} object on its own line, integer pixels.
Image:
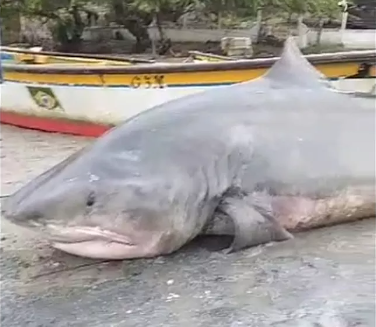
[
  {"x": 79, "y": 234},
  {"x": 97, "y": 243}
]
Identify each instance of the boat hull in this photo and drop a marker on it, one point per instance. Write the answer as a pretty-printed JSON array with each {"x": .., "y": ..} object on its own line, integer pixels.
[{"x": 89, "y": 101}]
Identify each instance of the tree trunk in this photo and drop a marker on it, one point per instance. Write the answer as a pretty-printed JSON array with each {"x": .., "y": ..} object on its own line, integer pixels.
[
  {"x": 319, "y": 31},
  {"x": 134, "y": 23},
  {"x": 140, "y": 33},
  {"x": 79, "y": 25}
]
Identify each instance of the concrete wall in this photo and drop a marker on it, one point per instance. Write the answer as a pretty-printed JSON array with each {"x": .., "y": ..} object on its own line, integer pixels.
[
  {"x": 352, "y": 39},
  {"x": 356, "y": 39},
  {"x": 201, "y": 34}
]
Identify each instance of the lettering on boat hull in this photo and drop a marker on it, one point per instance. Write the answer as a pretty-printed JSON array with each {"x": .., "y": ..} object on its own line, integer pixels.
[{"x": 148, "y": 82}]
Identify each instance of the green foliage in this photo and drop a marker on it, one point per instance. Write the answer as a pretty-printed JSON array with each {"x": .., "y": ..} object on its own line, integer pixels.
[
  {"x": 324, "y": 8},
  {"x": 65, "y": 16},
  {"x": 49, "y": 8},
  {"x": 154, "y": 6},
  {"x": 10, "y": 7}
]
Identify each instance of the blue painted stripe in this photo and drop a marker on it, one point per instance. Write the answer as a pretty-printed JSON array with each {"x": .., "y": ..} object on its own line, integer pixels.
[{"x": 6, "y": 56}]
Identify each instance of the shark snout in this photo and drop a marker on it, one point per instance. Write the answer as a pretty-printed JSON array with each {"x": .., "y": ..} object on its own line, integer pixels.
[{"x": 22, "y": 215}]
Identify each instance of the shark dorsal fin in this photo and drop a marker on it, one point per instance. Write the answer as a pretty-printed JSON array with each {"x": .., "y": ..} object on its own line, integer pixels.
[{"x": 292, "y": 68}]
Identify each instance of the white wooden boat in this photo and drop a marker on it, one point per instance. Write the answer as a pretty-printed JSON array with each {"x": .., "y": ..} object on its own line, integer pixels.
[{"x": 86, "y": 99}]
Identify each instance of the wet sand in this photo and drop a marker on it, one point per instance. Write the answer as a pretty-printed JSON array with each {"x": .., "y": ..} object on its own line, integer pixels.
[{"x": 326, "y": 276}]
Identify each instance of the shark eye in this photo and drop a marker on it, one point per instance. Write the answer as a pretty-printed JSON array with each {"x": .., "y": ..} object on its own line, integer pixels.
[{"x": 90, "y": 200}]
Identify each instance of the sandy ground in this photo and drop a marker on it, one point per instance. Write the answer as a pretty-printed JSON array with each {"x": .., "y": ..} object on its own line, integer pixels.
[{"x": 321, "y": 278}]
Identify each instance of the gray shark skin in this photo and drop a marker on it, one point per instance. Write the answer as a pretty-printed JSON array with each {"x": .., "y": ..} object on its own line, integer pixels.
[{"x": 258, "y": 160}]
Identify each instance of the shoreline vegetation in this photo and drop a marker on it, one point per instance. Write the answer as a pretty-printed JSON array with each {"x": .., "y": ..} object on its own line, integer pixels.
[{"x": 61, "y": 26}]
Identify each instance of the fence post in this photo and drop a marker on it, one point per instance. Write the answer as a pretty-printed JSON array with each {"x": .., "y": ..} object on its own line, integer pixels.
[{"x": 344, "y": 5}]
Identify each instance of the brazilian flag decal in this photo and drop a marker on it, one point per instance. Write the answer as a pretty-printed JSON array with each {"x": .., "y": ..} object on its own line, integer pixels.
[{"x": 45, "y": 98}]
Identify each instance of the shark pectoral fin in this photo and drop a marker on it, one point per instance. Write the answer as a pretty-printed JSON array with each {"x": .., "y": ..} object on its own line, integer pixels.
[{"x": 252, "y": 224}]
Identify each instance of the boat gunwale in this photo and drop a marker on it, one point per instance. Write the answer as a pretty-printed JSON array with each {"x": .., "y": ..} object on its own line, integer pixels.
[
  {"x": 211, "y": 55},
  {"x": 165, "y": 68},
  {"x": 77, "y": 55}
]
